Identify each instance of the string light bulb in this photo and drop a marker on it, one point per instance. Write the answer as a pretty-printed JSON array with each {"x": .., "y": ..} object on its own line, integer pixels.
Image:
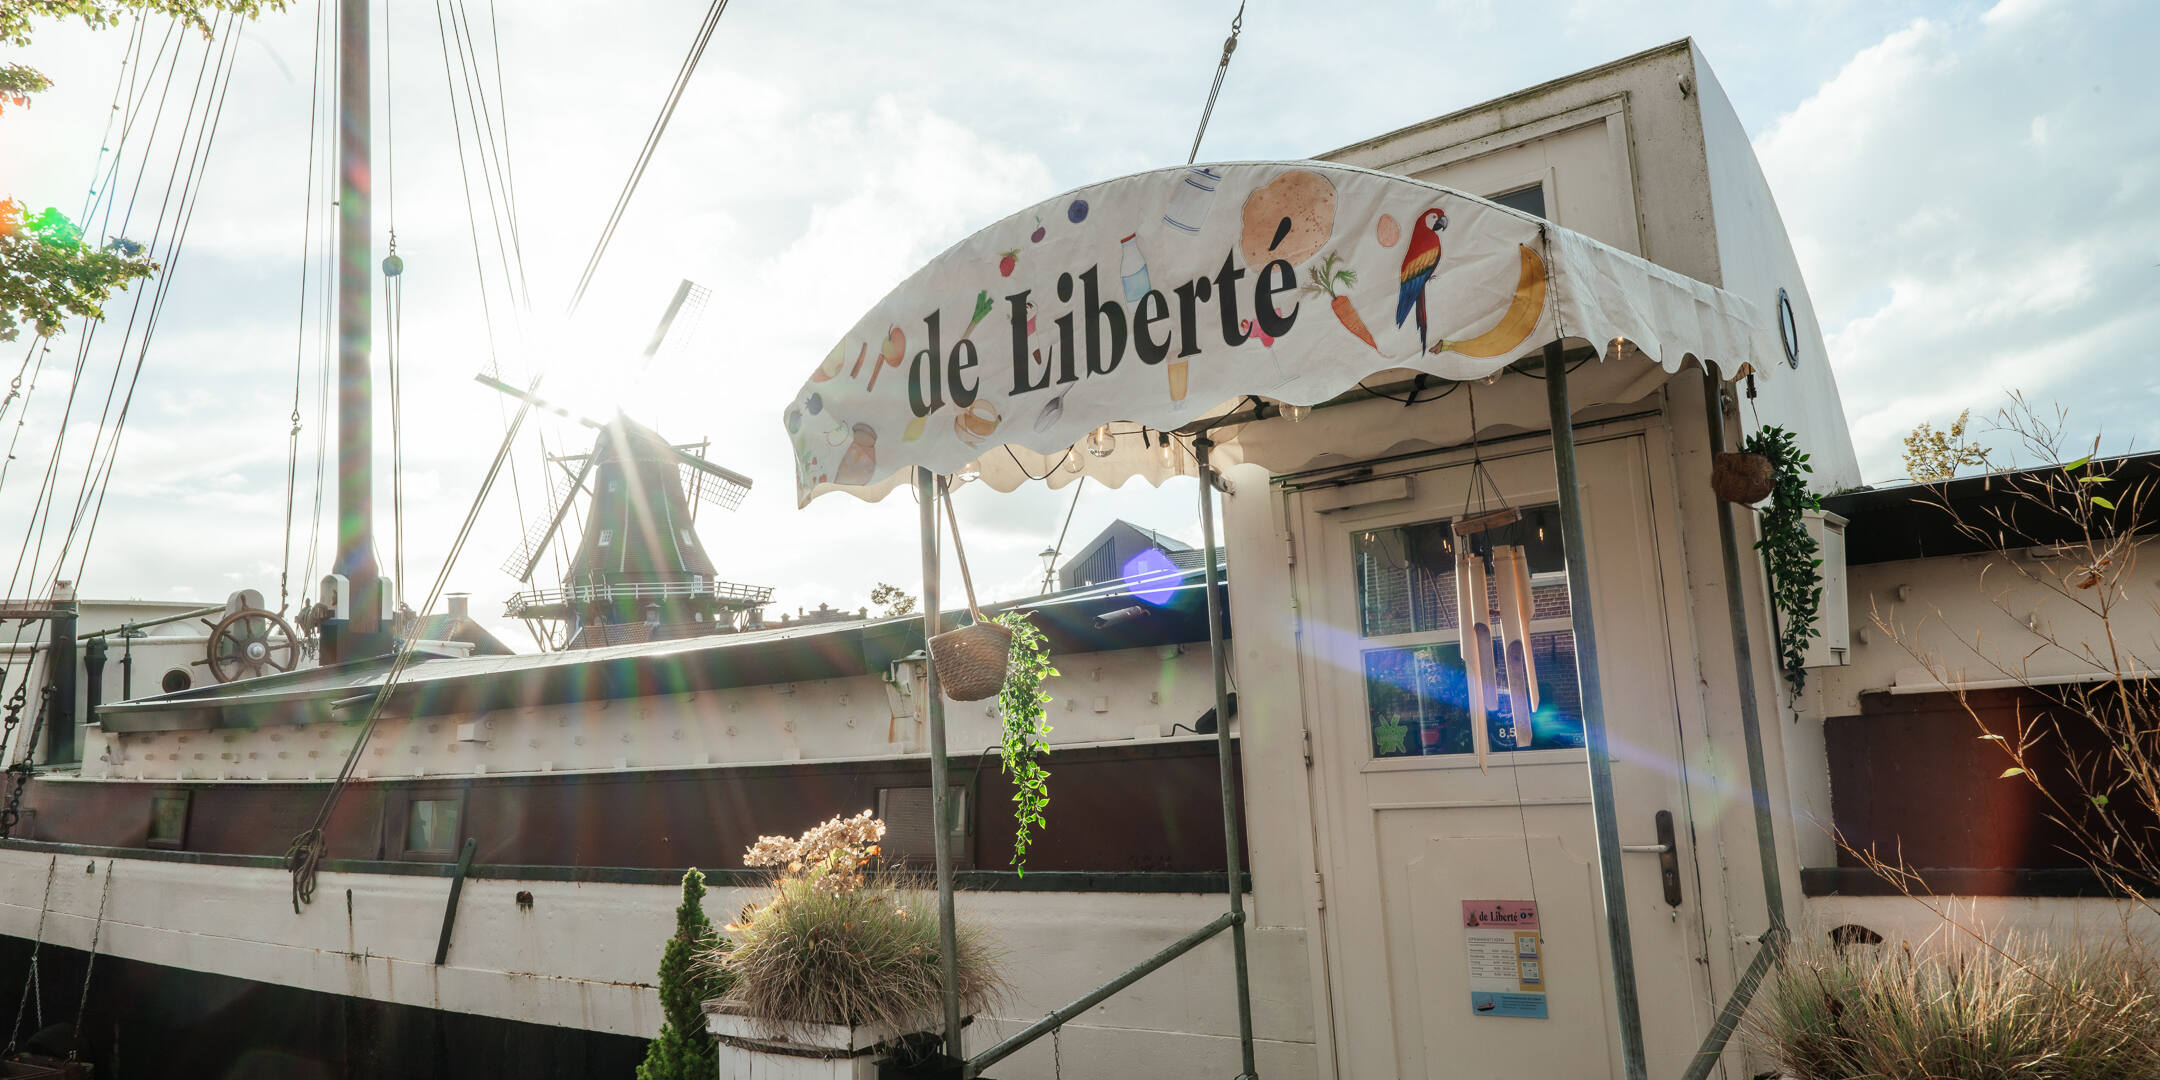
[
  {"x": 1100, "y": 442},
  {"x": 1073, "y": 463},
  {"x": 1292, "y": 413},
  {"x": 1166, "y": 451},
  {"x": 968, "y": 473}
]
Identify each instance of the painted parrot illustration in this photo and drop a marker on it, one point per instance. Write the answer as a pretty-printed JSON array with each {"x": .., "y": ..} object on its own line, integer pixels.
[{"x": 1417, "y": 268}]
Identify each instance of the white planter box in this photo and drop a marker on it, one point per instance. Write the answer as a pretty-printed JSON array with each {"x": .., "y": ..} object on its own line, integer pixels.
[{"x": 748, "y": 1051}]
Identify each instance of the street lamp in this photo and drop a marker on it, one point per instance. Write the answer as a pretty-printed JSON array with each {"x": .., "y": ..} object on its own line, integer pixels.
[{"x": 1049, "y": 558}]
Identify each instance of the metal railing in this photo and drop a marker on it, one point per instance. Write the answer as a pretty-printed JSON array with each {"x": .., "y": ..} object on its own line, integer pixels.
[{"x": 727, "y": 592}]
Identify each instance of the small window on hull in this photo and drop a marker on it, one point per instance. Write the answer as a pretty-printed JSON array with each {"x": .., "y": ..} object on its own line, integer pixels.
[
  {"x": 177, "y": 680},
  {"x": 168, "y": 820},
  {"x": 433, "y": 827},
  {"x": 909, "y": 839}
]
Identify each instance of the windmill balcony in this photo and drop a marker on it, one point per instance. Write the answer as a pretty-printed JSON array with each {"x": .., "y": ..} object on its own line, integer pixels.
[{"x": 726, "y": 595}]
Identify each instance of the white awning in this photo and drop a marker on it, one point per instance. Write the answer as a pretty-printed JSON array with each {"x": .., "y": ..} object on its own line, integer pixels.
[{"x": 1154, "y": 300}]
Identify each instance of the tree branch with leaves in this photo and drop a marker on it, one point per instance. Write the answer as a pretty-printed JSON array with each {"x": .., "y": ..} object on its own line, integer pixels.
[{"x": 48, "y": 273}]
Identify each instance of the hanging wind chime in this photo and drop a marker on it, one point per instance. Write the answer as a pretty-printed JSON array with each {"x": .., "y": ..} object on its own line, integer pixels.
[{"x": 1501, "y": 573}]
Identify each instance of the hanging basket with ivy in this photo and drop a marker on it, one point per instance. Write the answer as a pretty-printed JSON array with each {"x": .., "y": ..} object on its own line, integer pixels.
[
  {"x": 1027, "y": 735},
  {"x": 1790, "y": 554}
]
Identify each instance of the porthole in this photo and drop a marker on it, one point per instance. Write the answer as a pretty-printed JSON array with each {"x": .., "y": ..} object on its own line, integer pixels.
[
  {"x": 177, "y": 680},
  {"x": 1788, "y": 329}
]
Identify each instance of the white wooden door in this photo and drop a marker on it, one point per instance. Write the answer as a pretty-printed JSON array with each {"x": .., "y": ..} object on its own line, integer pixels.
[{"x": 1411, "y": 828}]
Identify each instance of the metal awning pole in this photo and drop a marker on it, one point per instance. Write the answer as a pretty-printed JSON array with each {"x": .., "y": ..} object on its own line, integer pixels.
[
  {"x": 1232, "y": 857},
  {"x": 1744, "y": 672},
  {"x": 927, "y": 490},
  {"x": 1595, "y": 736},
  {"x": 1773, "y": 938}
]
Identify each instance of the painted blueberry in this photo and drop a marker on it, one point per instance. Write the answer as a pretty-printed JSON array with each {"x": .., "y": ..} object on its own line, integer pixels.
[
  {"x": 816, "y": 404},
  {"x": 1077, "y": 212}
]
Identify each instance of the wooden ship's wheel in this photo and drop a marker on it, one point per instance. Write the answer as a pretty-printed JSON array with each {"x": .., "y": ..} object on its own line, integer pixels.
[{"x": 248, "y": 643}]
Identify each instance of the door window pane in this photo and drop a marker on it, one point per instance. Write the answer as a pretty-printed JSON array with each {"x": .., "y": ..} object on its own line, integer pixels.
[{"x": 1417, "y": 695}]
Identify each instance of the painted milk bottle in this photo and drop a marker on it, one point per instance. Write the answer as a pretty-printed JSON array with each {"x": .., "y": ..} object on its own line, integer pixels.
[
  {"x": 1189, "y": 206},
  {"x": 1133, "y": 268}
]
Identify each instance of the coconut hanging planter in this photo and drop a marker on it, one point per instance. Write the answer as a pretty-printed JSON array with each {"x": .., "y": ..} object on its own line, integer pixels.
[
  {"x": 971, "y": 661},
  {"x": 1742, "y": 478}
]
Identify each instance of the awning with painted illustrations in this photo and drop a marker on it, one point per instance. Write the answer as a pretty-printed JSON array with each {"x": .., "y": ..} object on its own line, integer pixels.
[{"x": 1154, "y": 300}]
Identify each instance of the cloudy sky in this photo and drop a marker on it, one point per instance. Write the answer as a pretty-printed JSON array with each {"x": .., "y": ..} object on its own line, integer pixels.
[{"x": 1972, "y": 189}]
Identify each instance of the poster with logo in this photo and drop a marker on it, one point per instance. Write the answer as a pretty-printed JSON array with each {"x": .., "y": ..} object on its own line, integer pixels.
[{"x": 1507, "y": 966}]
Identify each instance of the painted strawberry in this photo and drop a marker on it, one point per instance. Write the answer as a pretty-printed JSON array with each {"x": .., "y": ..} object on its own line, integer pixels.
[{"x": 1007, "y": 261}]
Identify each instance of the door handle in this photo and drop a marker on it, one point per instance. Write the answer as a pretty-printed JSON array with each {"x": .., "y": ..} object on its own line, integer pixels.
[{"x": 1667, "y": 850}]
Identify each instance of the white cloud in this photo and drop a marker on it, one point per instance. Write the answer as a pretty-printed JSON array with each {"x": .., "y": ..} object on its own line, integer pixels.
[
  {"x": 1989, "y": 172},
  {"x": 1969, "y": 198}
]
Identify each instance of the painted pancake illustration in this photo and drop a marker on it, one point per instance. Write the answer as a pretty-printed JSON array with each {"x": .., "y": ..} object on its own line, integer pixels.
[{"x": 1290, "y": 218}]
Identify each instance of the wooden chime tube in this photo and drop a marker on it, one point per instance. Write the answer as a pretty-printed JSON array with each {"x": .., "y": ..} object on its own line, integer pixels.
[{"x": 1507, "y": 561}]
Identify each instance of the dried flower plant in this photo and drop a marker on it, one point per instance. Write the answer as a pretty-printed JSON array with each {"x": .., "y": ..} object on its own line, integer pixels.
[
  {"x": 1932, "y": 457},
  {"x": 839, "y": 942},
  {"x": 832, "y": 855},
  {"x": 2018, "y": 1008}
]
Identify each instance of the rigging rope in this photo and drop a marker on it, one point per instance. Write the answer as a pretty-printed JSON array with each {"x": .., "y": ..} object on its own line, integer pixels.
[
  {"x": 191, "y": 199},
  {"x": 394, "y": 322},
  {"x": 304, "y": 857},
  {"x": 645, "y": 154},
  {"x": 445, "y": 34},
  {"x": 307, "y": 230},
  {"x": 1222, "y": 69},
  {"x": 327, "y": 59}
]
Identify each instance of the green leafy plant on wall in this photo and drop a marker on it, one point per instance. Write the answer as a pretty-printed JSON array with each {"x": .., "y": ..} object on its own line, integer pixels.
[
  {"x": 1790, "y": 554},
  {"x": 1027, "y": 736}
]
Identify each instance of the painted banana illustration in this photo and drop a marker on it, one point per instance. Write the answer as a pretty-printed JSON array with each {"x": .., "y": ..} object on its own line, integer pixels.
[{"x": 1522, "y": 315}]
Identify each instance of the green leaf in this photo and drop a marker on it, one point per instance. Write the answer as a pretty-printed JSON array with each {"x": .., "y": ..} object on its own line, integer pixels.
[
  {"x": 1996, "y": 738},
  {"x": 2102, "y": 503},
  {"x": 2078, "y": 464},
  {"x": 2098, "y": 800},
  {"x": 2095, "y": 479},
  {"x": 2010, "y": 772}
]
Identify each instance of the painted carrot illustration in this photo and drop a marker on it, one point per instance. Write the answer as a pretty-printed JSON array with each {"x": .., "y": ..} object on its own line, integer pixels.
[{"x": 1325, "y": 280}]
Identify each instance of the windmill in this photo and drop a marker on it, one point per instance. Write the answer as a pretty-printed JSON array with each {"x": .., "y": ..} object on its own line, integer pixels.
[{"x": 639, "y": 572}]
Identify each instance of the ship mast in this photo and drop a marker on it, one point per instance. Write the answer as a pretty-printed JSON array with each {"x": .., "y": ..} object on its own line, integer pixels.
[{"x": 367, "y": 633}]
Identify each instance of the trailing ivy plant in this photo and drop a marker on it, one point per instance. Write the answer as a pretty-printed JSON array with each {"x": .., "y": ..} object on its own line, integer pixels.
[
  {"x": 1789, "y": 553},
  {"x": 1027, "y": 735}
]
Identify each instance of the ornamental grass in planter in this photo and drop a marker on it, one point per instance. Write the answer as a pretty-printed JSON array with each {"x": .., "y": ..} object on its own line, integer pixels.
[
  {"x": 2021, "y": 1008},
  {"x": 840, "y": 942}
]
